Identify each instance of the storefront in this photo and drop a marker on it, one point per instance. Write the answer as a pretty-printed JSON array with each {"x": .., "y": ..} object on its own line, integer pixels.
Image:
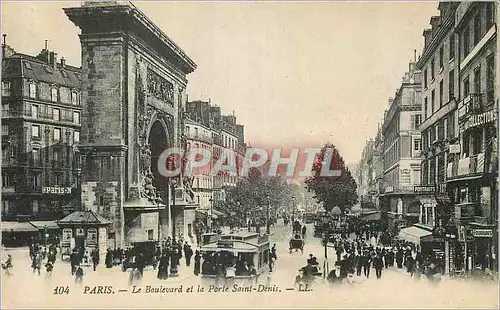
[
  {"x": 48, "y": 232},
  {"x": 84, "y": 231},
  {"x": 16, "y": 234}
]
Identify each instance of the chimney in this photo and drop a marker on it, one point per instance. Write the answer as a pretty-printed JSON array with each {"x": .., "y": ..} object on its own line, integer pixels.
[
  {"x": 52, "y": 60},
  {"x": 435, "y": 24},
  {"x": 391, "y": 100},
  {"x": 63, "y": 62},
  {"x": 427, "y": 37}
]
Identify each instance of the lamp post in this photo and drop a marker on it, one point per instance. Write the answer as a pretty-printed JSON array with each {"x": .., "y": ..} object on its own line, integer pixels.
[
  {"x": 268, "y": 226},
  {"x": 159, "y": 201},
  {"x": 171, "y": 213},
  {"x": 293, "y": 208},
  {"x": 210, "y": 215}
]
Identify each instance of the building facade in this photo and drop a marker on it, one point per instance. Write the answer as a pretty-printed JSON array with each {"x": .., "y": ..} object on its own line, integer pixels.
[
  {"x": 402, "y": 146},
  {"x": 472, "y": 174},
  {"x": 134, "y": 94},
  {"x": 41, "y": 112}
]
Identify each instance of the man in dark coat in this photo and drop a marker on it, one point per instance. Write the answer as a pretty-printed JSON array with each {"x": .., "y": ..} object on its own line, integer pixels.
[
  {"x": 366, "y": 264},
  {"x": 188, "y": 253},
  {"x": 197, "y": 262},
  {"x": 399, "y": 258},
  {"x": 378, "y": 264}
]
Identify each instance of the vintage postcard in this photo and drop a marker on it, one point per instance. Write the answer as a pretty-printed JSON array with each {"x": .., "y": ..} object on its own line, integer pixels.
[{"x": 249, "y": 154}]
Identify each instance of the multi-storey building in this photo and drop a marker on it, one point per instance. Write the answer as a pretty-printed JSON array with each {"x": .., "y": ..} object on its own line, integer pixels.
[
  {"x": 438, "y": 129},
  {"x": 40, "y": 133},
  {"x": 225, "y": 134},
  {"x": 472, "y": 174},
  {"x": 363, "y": 175},
  {"x": 402, "y": 146},
  {"x": 376, "y": 170}
]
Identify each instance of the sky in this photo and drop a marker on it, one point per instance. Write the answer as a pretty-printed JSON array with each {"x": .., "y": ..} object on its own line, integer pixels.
[{"x": 296, "y": 74}]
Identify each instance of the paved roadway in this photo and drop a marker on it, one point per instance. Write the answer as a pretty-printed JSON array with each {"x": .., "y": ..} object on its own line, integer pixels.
[{"x": 395, "y": 289}]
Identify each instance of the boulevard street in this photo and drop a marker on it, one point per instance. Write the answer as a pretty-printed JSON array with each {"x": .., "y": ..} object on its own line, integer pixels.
[{"x": 30, "y": 289}]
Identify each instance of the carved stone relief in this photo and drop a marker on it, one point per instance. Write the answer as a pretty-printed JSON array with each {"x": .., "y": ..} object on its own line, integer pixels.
[{"x": 160, "y": 88}]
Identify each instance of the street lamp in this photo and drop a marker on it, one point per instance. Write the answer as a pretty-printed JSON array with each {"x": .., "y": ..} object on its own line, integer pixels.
[
  {"x": 211, "y": 210},
  {"x": 159, "y": 202},
  {"x": 293, "y": 208},
  {"x": 268, "y": 225},
  {"x": 171, "y": 213}
]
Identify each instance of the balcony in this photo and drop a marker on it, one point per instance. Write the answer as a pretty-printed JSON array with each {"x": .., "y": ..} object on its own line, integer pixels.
[
  {"x": 199, "y": 137},
  {"x": 465, "y": 167},
  {"x": 473, "y": 102}
]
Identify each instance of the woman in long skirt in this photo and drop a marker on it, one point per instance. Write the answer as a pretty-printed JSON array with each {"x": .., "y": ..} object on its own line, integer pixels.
[
  {"x": 197, "y": 263},
  {"x": 163, "y": 267},
  {"x": 109, "y": 259}
]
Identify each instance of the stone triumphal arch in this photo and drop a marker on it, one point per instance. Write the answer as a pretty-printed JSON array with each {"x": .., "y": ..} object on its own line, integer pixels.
[{"x": 133, "y": 92}]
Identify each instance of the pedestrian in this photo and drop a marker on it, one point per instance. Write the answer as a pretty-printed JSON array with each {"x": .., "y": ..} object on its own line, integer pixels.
[
  {"x": 378, "y": 264},
  {"x": 197, "y": 262},
  {"x": 37, "y": 262},
  {"x": 188, "y": 253},
  {"x": 163, "y": 267},
  {"x": 78, "y": 274},
  {"x": 95, "y": 258},
  {"x": 109, "y": 258},
  {"x": 7, "y": 266},
  {"x": 73, "y": 258},
  {"x": 399, "y": 258},
  {"x": 366, "y": 264},
  {"x": 48, "y": 268}
]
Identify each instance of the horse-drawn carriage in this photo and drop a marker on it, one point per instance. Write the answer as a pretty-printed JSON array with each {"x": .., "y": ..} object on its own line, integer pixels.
[{"x": 297, "y": 243}]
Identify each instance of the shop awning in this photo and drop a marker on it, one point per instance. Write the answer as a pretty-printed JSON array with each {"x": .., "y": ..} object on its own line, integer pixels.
[
  {"x": 45, "y": 224},
  {"x": 465, "y": 178},
  {"x": 18, "y": 227},
  {"x": 218, "y": 213},
  {"x": 414, "y": 234}
]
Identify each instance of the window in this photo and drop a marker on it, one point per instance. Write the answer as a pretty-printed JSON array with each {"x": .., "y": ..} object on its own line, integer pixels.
[
  {"x": 465, "y": 42},
  {"x": 34, "y": 111},
  {"x": 490, "y": 78},
  {"x": 416, "y": 120},
  {"x": 32, "y": 90},
  {"x": 56, "y": 114},
  {"x": 74, "y": 98},
  {"x": 425, "y": 78},
  {"x": 433, "y": 101},
  {"x": 57, "y": 134},
  {"x": 490, "y": 17},
  {"x": 441, "y": 57},
  {"x": 477, "y": 29},
  {"x": 36, "y": 179},
  {"x": 425, "y": 108},
  {"x": 35, "y": 131},
  {"x": 53, "y": 94},
  {"x": 76, "y": 117},
  {"x": 477, "y": 80},
  {"x": 76, "y": 136},
  {"x": 5, "y": 129},
  {"x": 35, "y": 153},
  {"x": 34, "y": 205},
  {"x": 441, "y": 93},
  {"x": 451, "y": 126},
  {"x": 417, "y": 147},
  {"x": 451, "y": 85},
  {"x": 6, "y": 88},
  {"x": 432, "y": 69},
  {"x": 436, "y": 132},
  {"x": 466, "y": 87},
  {"x": 452, "y": 46},
  {"x": 58, "y": 179}
]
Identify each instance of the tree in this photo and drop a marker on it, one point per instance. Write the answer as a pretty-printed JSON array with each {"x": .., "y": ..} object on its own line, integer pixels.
[
  {"x": 252, "y": 192},
  {"x": 332, "y": 190}
]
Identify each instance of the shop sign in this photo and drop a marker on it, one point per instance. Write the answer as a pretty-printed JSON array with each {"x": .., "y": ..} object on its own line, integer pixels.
[
  {"x": 225, "y": 244},
  {"x": 424, "y": 189},
  {"x": 80, "y": 232},
  {"x": 56, "y": 190},
  {"x": 478, "y": 120},
  {"x": 482, "y": 233},
  {"x": 67, "y": 233},
  {"x": 389, "y": 189}
]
